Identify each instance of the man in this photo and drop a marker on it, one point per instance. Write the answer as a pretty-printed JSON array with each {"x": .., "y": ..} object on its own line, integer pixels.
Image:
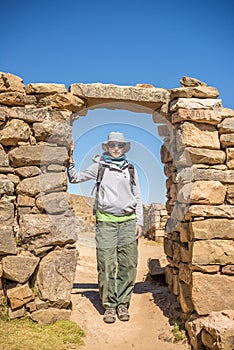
[{"x": 119, "y": 220}]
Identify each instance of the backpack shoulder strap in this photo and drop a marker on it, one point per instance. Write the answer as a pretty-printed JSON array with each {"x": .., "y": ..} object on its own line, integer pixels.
[
  {"x": 101, "y": 170},
  {"x": 131, "y": 170}
]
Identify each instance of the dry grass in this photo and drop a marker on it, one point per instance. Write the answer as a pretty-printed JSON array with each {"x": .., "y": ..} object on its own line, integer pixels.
[{"x": 24, "y": 334}]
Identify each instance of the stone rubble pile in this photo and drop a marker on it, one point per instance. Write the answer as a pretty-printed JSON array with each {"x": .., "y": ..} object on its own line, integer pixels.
[
  {"x": 198, "y": 153},
  {"x": 155, "y": 218}
]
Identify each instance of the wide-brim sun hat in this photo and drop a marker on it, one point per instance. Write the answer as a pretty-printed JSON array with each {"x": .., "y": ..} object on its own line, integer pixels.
[{"x": 116, "y": 136}]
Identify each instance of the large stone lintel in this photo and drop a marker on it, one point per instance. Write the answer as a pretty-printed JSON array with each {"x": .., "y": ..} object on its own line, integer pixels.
[{"x": 121, "y": 97}]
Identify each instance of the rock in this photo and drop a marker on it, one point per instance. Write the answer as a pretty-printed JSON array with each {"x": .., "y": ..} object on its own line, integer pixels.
[
  {"x": 225, "y": 211},
  {"x": 14, "y": 131},
  {"x": 163, "y": 130},
  {"x": 6, "y": 170},
  {"x": 48, "y": 131},
  {"x": 165, "y": 155},
  {"x": 185, "y": 274},
  {"x": 41, "y": 304},
  {"x": 228, "y": 269},
  {"x": 31, "y": 306},
  {"x": 227, "y": 113},
  {"x": 202, "y": 192},
  {"x": 37, "y": 155},
  {"x": 45, "y": 88},
  {"x": 13, "y": 99},
  {"x": 3, "y": 114},
  {"x": 64, "y": 101},
  {"x": 10, "y": 82},
  {"x": 50, "y": 315},
  {"x": 13, "y": 178},
  {"x": 226, "y": 126},
  {"x": 216, "y": 287},
  {"x": 192, "y": 155},
  {"x": 19, "y": 296},
  {"x": 28, "y": 171},
  {"x": 230, "y": 158},
  {"x": 196, "y": 103},
  {"x": 17, "y": 313},
  {"x": 4, "y": 162},
  {"x": 30, "y": 115},
  {"x": 157, "y": 266},
  {"x": 55, "y": 277},
  {"x": 183, "y": 230},
  {"x": 197, "y": 135},
  {"x": 7, "y": 241},
  {"x": 190, "y": 82},
  {"x": 6, "y": 186},
  {"x": 194, "y": 326},
  {"x": 25, "y": 201},
  {"x": 197, "y": 115},
  {"x": 41, "y": 230},
  {"x": 218, "y": 330},
  {"x": 184, "y": 253},
  {"x": 185, "y": 297},
  {"x": 206, "y": 268},
  {"x": 215, "y": 251},
  {"x": 60, "y": 116},
  {"x": 168, "y": 247},
  {"x": 212, "y": 228},
  {"x": 98, "y": 93},
  {"x": 43, "y": 183},
  {"x": 56, "y": 168},
  {"x": 227, "y": 140},
  {"x": 19, "y": 268},
  {"x": 195, "y": 91},
  {"x": 230, "y": 194},
  {"x": 193, "y": 174},
  {"x": 6, "y": 212},
  {"x": 54, "y": 203}
]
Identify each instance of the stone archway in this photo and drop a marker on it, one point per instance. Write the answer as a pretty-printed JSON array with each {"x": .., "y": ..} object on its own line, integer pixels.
[{"x": 37, "y": 226}]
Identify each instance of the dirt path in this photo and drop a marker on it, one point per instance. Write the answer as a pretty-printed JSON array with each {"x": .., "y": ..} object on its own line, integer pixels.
[{"x": 150, "y": 308}]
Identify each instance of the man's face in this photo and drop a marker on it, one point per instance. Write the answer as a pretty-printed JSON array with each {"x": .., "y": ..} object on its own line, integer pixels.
[{"x": 115, "y": 149}]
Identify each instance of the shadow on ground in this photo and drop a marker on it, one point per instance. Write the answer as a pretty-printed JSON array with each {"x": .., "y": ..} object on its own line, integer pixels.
[
  {"x": 89, "y": 291},
  {"x": 156, "y": 286}
]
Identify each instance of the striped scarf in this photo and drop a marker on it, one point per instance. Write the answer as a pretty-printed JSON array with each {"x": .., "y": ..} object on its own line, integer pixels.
[{"x": 120, "y": 162}]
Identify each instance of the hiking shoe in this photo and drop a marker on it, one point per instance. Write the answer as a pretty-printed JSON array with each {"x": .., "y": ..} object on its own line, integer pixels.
[
  {"x": 123, "y": 313},
  {"x": 109, "y": 316}
]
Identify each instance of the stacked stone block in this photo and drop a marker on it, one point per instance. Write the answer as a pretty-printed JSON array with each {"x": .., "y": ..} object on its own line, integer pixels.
[
  {"x": 37, "y": 224},
  {"x": 155, "y": 217},
  {"x": 198, "y": 157}
]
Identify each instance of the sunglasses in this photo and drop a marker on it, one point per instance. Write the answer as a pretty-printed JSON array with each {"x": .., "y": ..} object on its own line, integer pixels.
[{"x": 113, "y": 145}]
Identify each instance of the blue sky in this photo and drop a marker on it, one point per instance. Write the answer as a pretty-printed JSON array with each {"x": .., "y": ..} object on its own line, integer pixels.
[{"x": 124, "y": 43}]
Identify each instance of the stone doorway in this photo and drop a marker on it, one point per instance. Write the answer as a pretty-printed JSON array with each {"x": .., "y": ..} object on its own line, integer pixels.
[{"x": 36, "y": 220}]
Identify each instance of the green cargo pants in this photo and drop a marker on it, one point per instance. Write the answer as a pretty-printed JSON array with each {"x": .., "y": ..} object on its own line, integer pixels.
[{"x": 117, "y": 256}]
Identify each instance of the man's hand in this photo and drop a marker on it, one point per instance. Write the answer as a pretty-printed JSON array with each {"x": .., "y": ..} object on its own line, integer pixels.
[
  {"x": 138, "y": 231},
  {"x": 70, "y": 151}
]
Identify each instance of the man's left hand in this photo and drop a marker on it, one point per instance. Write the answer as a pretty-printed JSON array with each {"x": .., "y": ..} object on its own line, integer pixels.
[{"x": 138, "y": 231}]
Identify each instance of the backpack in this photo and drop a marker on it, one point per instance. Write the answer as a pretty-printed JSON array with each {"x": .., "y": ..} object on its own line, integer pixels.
[{"x": 101, "y": 170}]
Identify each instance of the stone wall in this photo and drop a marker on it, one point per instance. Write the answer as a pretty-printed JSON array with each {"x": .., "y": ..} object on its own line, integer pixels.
[
  {"x": 155, "y": 218},
  {"x": 37, "y": 223},
  {"x": 38, "y": 226},
  {"x": 198, "y": 154}
]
